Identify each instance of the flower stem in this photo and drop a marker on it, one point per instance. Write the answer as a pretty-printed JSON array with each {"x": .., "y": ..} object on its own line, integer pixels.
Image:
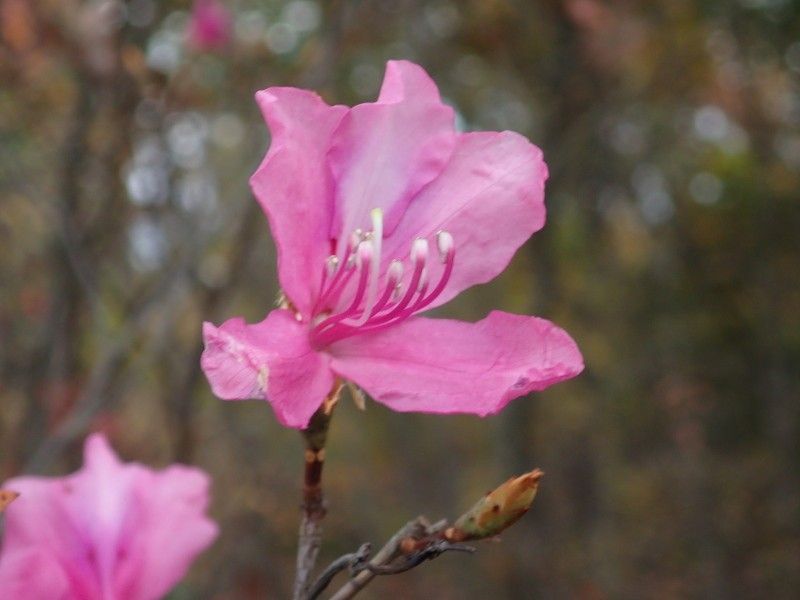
[{"x": 313, "y": 507}]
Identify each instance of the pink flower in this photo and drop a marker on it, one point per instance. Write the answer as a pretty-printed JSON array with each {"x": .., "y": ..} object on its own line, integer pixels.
[
  {"x": 378, "y": 212},
  {"x": 209, "y": 25},
  {"x": 111, "y": 531}
]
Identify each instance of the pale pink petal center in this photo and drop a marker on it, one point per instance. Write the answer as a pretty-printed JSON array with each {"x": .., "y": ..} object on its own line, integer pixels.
[{"x": 384, "y": 152}]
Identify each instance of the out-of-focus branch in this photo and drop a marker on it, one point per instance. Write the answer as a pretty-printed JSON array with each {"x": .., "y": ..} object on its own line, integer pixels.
[
  {"x": 70, "y": 273},
  {"x": 93, "y": 398},
  {"x": 73, "y": 261},
  {"x": 180, "y": 388}
]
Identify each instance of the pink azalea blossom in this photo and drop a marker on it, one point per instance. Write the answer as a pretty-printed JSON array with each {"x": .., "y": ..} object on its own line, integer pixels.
[
  {"x": 111, "y": 531},
  {"x": 210, "y": 26},
  {"x": 379, "y": 212}
]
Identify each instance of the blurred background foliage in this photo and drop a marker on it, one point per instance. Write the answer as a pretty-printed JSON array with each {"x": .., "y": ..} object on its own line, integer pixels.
[{"x": 672, "y": 132}]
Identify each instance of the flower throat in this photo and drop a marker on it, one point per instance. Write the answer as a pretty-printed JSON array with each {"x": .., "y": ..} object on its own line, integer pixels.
[{"x": 375, "y": 304}]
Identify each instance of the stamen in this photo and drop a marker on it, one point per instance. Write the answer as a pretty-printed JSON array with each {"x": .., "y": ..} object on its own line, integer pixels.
[
  {"x": 328, "y": 296},
  {"x": 444, "y": 242},
  {"x": 364, "y": 256},
  {"x": 338, "y": 286},
  {"x": 364, "y": 262},
  {"x": 374, "y": 240},
  {"x": 419, "y": 251},
  {"x": 393, "y": 277},
  {"x": 448, "y": 259},
  {"x": 331, "y": 265},
  {"x": 403, "y": 310},
  {"x": 423, "y": 278},
  {"x": 369, "y": 311},
  {"x": 395, "y": 271}
]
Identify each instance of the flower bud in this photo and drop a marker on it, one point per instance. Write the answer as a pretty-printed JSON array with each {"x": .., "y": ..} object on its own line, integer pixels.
[{"x": 497, "y": 510}]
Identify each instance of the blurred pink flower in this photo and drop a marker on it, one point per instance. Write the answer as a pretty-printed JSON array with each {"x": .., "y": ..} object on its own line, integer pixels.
[
  {"x": 210, "y": 26},
  {"x": 378, "y": 212},
  {"x": 111, "y": 531}
]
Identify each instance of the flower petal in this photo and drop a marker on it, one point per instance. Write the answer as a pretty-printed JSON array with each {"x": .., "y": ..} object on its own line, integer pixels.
[
  {"x": 111, "y": 530},
  {"x": 385, "y": 152},
  {"x": 271, "y": 360},
  {"x": 28, "y": 573},
  {"x": 38, "y": 525},
  {"x": 445, "y": 366},
  {"x": 294, "y": 187},
  {"x": 169, "y": 531},
  {"x": 490, "y": 197}
]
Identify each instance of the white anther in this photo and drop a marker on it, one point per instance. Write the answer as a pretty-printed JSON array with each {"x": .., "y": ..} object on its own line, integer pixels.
[
  {"x": 419, "y": 251},
  {"x": 364, "y": 254},
  {"x": 395, "y": 272},
  {"x": 444, "y": 242},
  {"x": 331, "y": 265}
]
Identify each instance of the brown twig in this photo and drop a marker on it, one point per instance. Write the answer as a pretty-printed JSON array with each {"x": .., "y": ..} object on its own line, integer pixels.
[
  {"x": 429, "y": 552},
  {"x": 355, "y": 561},
  {"x": 310, "y": 533},
  {"x": 418, "y": 528}
]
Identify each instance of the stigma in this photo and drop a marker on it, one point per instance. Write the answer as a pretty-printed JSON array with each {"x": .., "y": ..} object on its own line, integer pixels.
[{"x": 357, "y": 295}]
